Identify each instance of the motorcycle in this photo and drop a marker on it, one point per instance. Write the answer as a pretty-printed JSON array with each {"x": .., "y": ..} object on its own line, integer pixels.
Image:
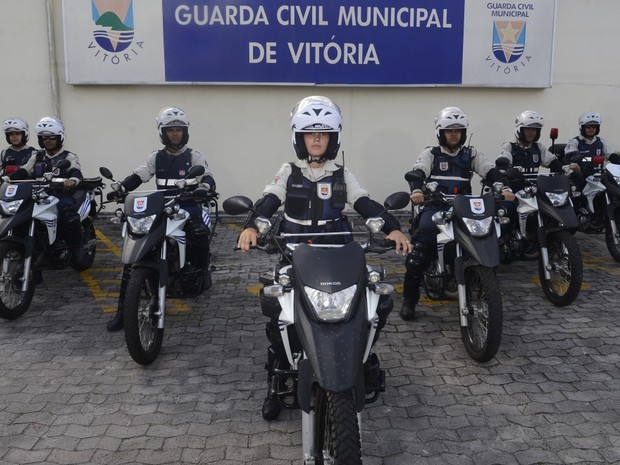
[
  {"x": 597, "y": 205},
  {"x": 29, "y": 241},
  {"x": 328, "y": 306},
  {"x": 154, "y": 257},
  {"x": 545, "y": 223},
  {"x": 465, "y": 260}
]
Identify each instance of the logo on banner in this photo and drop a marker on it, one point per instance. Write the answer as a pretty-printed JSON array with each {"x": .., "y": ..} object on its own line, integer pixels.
[
  {"x": 508, "y": 40},
  {"x": 113, "y": 31}
]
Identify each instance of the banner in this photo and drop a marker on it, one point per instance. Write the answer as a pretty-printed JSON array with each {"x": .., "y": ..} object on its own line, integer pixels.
[{"x": 313, "y": 42}]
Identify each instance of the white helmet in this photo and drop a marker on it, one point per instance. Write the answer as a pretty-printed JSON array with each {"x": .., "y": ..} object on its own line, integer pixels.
[
  {"x": 316, "y": 114},
  {"x": 16, "y": 125},
  {"x": 172, "y": 117},
  {"x": 590, "y": 117},
  {"x": 50, "y": 126},
  {"x": 451, "y": 118},
  {"x": 528, "y": 119}
]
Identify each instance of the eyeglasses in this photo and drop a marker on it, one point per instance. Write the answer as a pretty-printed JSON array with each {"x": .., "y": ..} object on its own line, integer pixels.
[
  {"x": 48, "y": 137},
  {"x": 15, "y": 133},
  {"x": 590, "y": 126}
]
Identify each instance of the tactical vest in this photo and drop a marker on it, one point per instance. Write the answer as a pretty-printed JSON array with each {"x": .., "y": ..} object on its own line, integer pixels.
[
  {"x": 314, "y": 203},
  {"x": 529, "y": 159},
  {"x": 169, "y": 168},
  {"x": 11, "y": 157},
  {"x": 452, "y": 173},
  {"x": 45, "y": 164},
  {"x": 587, "y": 151}
]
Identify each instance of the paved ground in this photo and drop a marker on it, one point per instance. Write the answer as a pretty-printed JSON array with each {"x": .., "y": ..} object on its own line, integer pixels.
[{"x": 70, "y": 393}]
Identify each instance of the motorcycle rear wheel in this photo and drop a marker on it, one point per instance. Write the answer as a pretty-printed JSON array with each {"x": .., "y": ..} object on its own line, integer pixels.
[
  {"x": 337, "y": 435},
  {"x": 614, "y": 249},
  {"x": 483, "y": 333},
  {"x": 87, "y": 256},
  {"x": 566, "y": 269},
  {"x": 13, "y": 302},
  {"x": 142, "y": 335}
]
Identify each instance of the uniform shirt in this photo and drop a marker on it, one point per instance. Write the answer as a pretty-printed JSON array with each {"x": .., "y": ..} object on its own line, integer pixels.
[
  {"x": 70, "y": 157},
  {"x": 148, "y": 169},
  {"x": 572, "y": 145},
  {"x": 479, "y": 164},
  {"x": 279, "y": 183},
  {"x": 546, "y": 156},
  {"x": 20, "y": 156}
]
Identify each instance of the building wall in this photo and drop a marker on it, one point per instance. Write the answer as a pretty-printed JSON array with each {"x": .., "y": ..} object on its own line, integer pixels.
[{"x": 244, "y": 130}]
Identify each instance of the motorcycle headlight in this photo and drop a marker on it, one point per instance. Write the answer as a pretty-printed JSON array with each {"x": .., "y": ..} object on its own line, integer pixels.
[
  {"x": 478, "y": 228},
  {"x": 10, "y": 208},
  {"x": 557, "y": 200},
  {"x": 331, "y": 307},
  {"x": 140, "y": 226}
]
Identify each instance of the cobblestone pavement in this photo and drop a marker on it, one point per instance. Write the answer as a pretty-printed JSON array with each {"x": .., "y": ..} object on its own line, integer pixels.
[{"x": 71, "y": 394}]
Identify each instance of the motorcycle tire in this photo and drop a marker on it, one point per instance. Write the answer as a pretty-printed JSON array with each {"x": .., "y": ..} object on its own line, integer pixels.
[
  {"x": 614, "y": 249},
  {"x": 13, "y": 302},
  {"x": 337, "y": 433},
  {"x": 566, "y": 269},
  {"x": 86, "y": 256},
  {"x": 142, "y": 335},
  {"x": 483, "y": 333}
]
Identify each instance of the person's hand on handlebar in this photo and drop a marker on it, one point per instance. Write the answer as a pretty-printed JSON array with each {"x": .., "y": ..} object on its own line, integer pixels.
[
  {"x": 248, "y": 238},
  {"x": 402, "y": 244},
  {"x": 417, "y": 196}
]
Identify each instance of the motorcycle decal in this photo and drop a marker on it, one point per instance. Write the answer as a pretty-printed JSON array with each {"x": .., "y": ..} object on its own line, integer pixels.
[
  {"x": 324, "y": 190},
  {"x": 444, "y": 165},
  {"x": 10, "y": 191},
  {"x": 477, "y": 206},
  {"x": 139, "y": 204},
  {"x": 84, "y": 208}
]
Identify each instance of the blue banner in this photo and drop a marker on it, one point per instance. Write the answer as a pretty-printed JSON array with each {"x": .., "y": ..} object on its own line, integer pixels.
[{"x": 414, "y": 42}]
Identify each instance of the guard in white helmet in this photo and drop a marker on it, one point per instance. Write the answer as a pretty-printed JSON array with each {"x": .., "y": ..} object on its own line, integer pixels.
[
  {"x": 314, "y": 191},
  {"x": 18, "y": 152},
  {"x": 51, "y": 137},
  {"x": 451, "y": 164},
  {"x": 526, "y": 152},
  {"x": 169, "y": 164},
  {"x": 581, "y": 149}
]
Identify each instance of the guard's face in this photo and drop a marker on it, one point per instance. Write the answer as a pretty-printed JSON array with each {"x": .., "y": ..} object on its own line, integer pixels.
[
  {"x": 316, "y": 143},
  {"x": 453, "y": 137},
  {"x": 175, "y": 135}
]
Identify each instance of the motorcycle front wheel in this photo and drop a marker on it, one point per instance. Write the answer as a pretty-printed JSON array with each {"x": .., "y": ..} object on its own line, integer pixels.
[
  {"x": 87, "y": 255},
  {"x": 483, "y": 333},
  {"x": 13, "y": 302},
  {"x": 142, "y": 335},
  {"x": 614, "y": 249},
  {"x": 337, "y": 435},
  {"x": 565, "y": 268}
]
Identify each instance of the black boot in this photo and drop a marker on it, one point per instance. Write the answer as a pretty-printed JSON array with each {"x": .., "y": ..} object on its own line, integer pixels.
[
  {"x": 407, "y": 311},
  {"x": 416, "y": 263},
  {"x": 116, "y": 322}
]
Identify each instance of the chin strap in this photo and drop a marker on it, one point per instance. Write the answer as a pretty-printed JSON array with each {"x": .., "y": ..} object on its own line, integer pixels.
[{"x": 316, "y": 160}]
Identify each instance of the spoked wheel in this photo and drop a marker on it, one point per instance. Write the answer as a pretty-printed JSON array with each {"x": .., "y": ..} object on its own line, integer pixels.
[
  {"x": 88, "y": 248},
  {"x": 483, "y": 332},
  {"x": 614, "y": 249},
  {"x": 337, "y": 434},
  {"x": 141, "y": 303},
  {"x": 565, "y": 268},
  {"x": 13, "y": 302}
]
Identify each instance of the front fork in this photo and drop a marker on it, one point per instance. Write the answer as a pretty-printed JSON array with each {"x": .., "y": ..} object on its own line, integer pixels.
[
  {"x": 163, "y": 281},
  {"x": 459, "y": 274},
  {"x": 28, "y": 254}
]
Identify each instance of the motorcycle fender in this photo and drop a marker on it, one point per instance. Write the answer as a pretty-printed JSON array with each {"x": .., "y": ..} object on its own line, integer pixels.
[
  {"x": 564, "y": 214},
  {"x": 483, "y": 250},
  {"x": 610, "y": 209},
  {"x": 134, "y": 249},
  {"x": 306, "y": 379},
  {"x": 335, "y": 350}
]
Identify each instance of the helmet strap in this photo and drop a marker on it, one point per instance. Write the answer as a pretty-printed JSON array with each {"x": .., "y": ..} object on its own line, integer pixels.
[{"x": 316, "y": 160}]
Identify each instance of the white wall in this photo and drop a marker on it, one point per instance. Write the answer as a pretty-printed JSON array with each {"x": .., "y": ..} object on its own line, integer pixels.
[{"x": 244, "y": 129}]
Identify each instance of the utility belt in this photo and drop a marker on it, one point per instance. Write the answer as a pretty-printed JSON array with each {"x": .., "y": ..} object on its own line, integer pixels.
[
  {"x": 171, "y": 182},
  {"x": 309, "y": 222}
]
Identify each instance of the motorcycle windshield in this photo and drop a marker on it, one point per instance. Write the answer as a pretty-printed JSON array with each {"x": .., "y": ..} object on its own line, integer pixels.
[{"x": 329, "y": 269}]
